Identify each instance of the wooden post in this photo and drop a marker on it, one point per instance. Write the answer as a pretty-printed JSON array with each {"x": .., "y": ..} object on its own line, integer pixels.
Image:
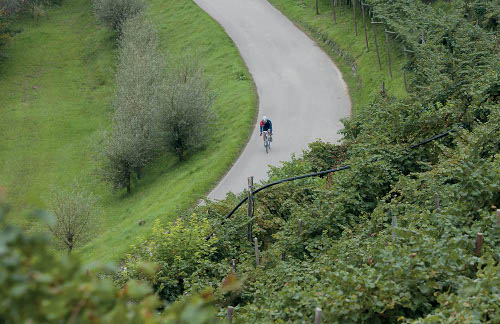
[
  {"x": 436, "y": 202},
  {"x": 300, "y": 227},
  {"x": 317, "y": 316},
  {"x": 250, "y": 208},
  {"x": 256, "y": 252},
  {"x": 404, "y": 71},
  {"x": 234, "y": 265},
  {"x": 230, "y": 310},
  {"x": 376, "y": 45},
  {"x": 334, "y": 15},
  {"x": 388, "y": 54},
  {"x": 354, "y": 13},
  {"x": 394, "y": 225},
  {"x": 383, "y": 87},
  {"x": 364, "y": 24},
  {"x": 479, "y": 244}
]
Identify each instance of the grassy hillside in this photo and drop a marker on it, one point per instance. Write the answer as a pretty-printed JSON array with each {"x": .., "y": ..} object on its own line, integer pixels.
[
  {"x": 59, "y": 80},
  {"x": 56, "y": 84},
  {"x": 359, "y": 67}
]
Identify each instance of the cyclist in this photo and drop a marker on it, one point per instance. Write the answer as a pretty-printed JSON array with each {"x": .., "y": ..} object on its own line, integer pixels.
[{"x": 265, "y": 125}]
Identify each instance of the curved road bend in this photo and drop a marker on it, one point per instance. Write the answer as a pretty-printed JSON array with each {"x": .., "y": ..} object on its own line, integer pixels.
[{"x": 299, "y": 87}]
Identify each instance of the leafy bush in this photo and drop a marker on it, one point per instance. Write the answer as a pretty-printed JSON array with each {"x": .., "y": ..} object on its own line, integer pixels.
[
  {"x": 179, "y": 250},
  {"x": 323, "y": 156},
  {"x": 476, "y": 301},
  {"x": 114, "y": 13}
]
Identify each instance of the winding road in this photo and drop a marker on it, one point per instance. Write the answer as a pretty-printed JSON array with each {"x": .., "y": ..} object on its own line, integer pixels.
[{"x": 299, "y": 87}]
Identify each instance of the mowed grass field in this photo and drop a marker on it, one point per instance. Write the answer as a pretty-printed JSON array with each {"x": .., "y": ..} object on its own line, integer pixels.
[
  {"x": 364, "y": 78},
  {"x": 56, "y": 90}
]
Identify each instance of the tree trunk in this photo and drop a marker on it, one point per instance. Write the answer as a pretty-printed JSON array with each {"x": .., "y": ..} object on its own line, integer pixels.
[
  {"x": 70, "y": 244},
  {"x": 317, "y": 9},
  {"x": 129, "y": 189},
  {"x": 180, "y": 153},
  {"x": 180, "y": 149}
]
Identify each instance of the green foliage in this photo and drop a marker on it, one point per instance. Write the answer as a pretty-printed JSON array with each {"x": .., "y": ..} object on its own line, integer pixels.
[
  {"x": 134, "y": 142},
  {"x": 186, "y": 114},
  {"x": 323, "y": 156},
  {"x": 114, "y": 13},
  {"x": 476, "y": 301},
  {"x": 38, "y": 286},
  {"x": 179, "y": 250},
  {"x": 485, "y": 13}
]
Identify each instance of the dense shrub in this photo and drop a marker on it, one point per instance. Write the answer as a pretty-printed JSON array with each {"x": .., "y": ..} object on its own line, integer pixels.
[
  {"x": 114, "y": 13},
  {"x": 179, "y": 250}
]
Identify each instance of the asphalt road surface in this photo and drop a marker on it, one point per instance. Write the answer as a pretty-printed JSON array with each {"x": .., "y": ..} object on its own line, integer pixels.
[{"x": 299, "y": 87}]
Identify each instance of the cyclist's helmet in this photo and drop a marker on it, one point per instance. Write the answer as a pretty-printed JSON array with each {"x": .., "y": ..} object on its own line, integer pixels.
[{"x": 264, "y": 119}]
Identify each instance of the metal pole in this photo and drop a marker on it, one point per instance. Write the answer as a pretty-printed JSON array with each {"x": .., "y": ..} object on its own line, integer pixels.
[{"x": 250, "y": 208}]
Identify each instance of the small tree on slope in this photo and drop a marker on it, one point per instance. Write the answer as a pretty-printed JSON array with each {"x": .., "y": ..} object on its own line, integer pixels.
[{"x": 186, "y": 115}]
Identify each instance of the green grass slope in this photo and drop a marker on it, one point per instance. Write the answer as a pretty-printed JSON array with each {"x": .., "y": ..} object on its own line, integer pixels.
[
  {"x": 55, "y": 86},
  {"x": 50, "y": 133},
  {"x": 359, "y": 67}
]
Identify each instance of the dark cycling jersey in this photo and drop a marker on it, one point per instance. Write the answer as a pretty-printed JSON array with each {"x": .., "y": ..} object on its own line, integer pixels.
[{"x": 266, "y": 126}]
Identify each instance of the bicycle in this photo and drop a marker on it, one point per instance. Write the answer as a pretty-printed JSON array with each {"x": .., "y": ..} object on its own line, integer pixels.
[{"x": 267, "y": 140}]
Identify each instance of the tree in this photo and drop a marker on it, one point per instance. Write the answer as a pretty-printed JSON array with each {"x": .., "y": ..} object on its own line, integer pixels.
[
  {"x": 114, "y": 13},
  {"x": 134, "y": 142},
  {"x": 118, "y": 157},
  {"x": 186, "y": 115},
  {"x": 75, "y": 212}
]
